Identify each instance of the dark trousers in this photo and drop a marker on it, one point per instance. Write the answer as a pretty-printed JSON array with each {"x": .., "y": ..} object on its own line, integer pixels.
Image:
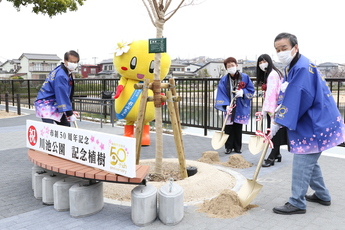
[
  {"x": 279, "y": 139},
  {"x": 235, "y": 136},
  {"x": 63, "y": 121}
]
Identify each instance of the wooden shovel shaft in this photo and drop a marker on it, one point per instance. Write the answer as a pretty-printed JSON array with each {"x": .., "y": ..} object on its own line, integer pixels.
[
  {"x": 227, "y": 114},
  {"x": 258, "y": 167}
]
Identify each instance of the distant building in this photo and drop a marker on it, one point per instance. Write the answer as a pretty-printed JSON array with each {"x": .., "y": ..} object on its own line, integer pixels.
[
  {"x": 29, "y": 66},
  {"x": 214, "y": 69},
  {"x": 8, "y": 68},
  {"x": 37, "y": 66},
  {"x": 107, "y": 70},
  {"x": 329, "y": 69},
  {"x": 87, "y": 70},
  {"x": 180, "y": 70}
]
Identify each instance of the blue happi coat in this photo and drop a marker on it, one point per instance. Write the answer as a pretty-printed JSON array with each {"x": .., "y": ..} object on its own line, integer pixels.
[
  {"x": 309, "y": 111},
  {"x": 223, "y": 98},
  {"x": 57, "y": 89}
]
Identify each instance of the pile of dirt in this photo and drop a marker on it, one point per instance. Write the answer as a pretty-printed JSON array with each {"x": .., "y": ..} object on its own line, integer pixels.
[
  {"x": 226, "y": 205},
  {"x": 234, "y": 161},
  {"x": 237, "y": 161},
  {"x": 210, "y": 157},
  {"x": 170, "y": 170}
]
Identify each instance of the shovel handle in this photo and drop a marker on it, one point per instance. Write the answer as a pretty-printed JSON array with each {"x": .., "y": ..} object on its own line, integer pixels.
[
  {"x": 258, "y": 167},
  {"x": 227, "y": 114}
]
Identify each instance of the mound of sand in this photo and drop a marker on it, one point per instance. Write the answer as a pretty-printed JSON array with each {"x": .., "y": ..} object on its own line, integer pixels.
[
  {"x": 234, "y": 161},
  {"x": 226, "y": 205}
]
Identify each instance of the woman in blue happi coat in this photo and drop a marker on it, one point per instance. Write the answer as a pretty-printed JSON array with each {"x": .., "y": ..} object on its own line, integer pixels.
[
  {"x": 54, "y": 100},
  {"x": 239, "y": 85}
]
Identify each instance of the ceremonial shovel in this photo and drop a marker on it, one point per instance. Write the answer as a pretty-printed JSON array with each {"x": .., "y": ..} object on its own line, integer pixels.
[
  {"x": 251, "y": 188},
  {"x": 219, "y": 138}
]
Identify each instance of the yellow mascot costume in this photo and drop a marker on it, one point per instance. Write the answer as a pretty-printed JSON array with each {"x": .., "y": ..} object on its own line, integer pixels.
[{"x": 134, "y": 63}]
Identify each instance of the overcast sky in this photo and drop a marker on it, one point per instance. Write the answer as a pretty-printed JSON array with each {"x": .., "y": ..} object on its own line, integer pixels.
[{"x": 243, "y": 29}]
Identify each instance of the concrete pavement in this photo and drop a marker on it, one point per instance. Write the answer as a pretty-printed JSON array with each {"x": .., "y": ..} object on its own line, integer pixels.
[{"x": 20, "y": 210}]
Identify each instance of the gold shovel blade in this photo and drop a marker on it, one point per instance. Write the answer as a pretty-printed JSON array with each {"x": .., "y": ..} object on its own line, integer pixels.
[
  {"x": 256, "y": 144},
  {"x": 219, "y": 139},
  {"x": 248, "y": 192}
]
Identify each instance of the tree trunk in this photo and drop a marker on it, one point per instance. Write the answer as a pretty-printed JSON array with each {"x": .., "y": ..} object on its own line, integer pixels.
[{"x": 158, "y": 109}]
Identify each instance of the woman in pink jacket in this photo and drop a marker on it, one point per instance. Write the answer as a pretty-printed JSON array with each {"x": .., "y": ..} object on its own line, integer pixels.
[{"x": 270, "y": 79}]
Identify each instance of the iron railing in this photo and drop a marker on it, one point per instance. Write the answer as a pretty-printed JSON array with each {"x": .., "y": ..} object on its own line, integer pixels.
[{"x": 196, "y": 107}]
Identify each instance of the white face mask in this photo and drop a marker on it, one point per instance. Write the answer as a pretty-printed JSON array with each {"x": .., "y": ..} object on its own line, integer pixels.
[
  {"x": 285, "y": 57},
  {"x": 263, "y": 66},
  {"x": 232, "y": 70},
  {"x": 71, "y": 66}
]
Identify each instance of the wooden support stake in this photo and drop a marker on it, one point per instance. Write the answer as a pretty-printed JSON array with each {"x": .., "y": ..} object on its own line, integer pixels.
[
  {"x": 141, "y": 118},
  {"x": 177, "y": 136},
  {"x": 177, "y": 111}
]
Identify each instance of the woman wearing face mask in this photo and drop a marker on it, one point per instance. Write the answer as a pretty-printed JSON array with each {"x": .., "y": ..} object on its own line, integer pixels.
[
  {"x": 270, "y": 79},
  {"x": 239, "y": 86},
  {"x": 54, "y": 100}
]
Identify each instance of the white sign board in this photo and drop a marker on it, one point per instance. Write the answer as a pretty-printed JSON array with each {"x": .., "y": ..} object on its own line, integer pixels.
[{"x": 112, "y": 153}]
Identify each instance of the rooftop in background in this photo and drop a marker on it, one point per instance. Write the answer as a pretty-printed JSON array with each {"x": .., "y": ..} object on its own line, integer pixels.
[{"x": 32, "y": 56}]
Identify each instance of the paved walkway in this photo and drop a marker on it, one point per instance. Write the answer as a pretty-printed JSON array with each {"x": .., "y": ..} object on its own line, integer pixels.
[{"x": 20, "y": 210}]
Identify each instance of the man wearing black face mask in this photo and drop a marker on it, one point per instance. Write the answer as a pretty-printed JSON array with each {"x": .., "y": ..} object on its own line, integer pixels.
[
  {"x": 54, "y": 100},
  {"x": 313, "y": 123}
]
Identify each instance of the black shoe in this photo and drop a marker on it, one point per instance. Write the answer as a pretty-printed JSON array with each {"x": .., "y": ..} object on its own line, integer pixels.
[
  {"x": 279, "y": 157},
  {"x": 269, "y": 162},
  {"x": 288, "y": 209},
  {"x": 314, "y": 198},
  {"x": 228, "y": 151},
  {"x": 237, "y": 151}
]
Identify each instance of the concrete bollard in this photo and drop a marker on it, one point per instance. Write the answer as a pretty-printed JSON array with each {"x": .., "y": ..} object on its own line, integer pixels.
[
  {"x": 61, "y": 192},
  {"x": 47, "y": 188},
  {"x": 144, "y": 204},
  {"x": 86, "y": 199},
  {"x": 38, "y": 184},
  {"x": 34, "y": 169},
  {"x": 170, "y": 203}
]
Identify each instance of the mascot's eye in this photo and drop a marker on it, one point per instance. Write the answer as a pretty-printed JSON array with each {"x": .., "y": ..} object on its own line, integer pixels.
[
  {"x": 151, "y": 67},
  {"x": 133, "y": 63}
]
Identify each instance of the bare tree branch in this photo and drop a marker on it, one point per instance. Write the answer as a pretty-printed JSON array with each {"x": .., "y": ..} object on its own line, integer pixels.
[
  {"x": 175, "y": 10},
  {"x": 152, "y": 17},
  {"x": 167, "y": 4},
  {"x": 153, "y": 9}
]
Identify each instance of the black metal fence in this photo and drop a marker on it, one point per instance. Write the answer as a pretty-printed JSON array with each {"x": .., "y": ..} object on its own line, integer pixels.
[{"x": 196, "y": 108}]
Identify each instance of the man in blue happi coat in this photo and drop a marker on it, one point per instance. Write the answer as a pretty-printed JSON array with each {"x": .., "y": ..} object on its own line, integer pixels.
[
  {"x": 54, "y": 100},
  {"x": 313, "y": 122}
]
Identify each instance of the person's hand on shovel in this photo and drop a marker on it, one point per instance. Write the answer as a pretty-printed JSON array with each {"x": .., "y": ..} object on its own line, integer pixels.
[
  {"x": 229, "y": 109},
  {"x": 274, "y": 129}
]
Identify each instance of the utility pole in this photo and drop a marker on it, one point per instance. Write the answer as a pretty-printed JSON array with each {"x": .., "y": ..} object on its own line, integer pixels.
[{"x": 95, "y": 58}]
